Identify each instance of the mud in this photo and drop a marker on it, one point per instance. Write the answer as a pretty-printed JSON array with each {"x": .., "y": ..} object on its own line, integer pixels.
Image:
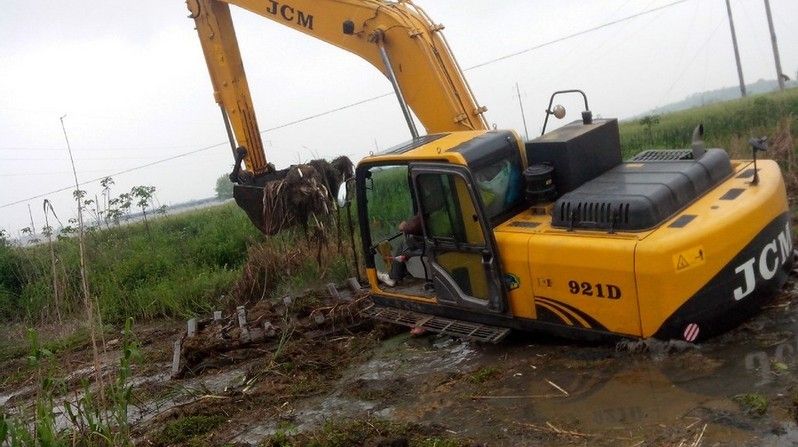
[{"x": 521, "y": 392}]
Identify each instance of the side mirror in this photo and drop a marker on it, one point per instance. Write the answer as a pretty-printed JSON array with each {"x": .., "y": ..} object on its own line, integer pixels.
[
  {"x": 559, "y": 111},
  {"x": 344, "y": 195}
]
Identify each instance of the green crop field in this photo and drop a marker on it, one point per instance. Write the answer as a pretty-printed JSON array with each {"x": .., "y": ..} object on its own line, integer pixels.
[{"x": 728, "y": 125}]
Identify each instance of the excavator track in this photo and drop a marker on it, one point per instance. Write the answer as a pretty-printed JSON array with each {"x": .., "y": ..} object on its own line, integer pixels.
[{"x": 455, "y": 328}]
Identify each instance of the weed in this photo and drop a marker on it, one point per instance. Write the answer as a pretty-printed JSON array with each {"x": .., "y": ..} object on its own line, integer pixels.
[
  {"x": 355, "y": 432},
  {"x": 350, "y": 432},
  {"x": 753, "y": 404},
  {"x": 188, "y": 429},
  {"x": 304, "y": 386},
  {"x": 97, "y": 417},
  {"x": 483, "y": 374},
  {"x": 438, "y": 442},
  {"x": 779, "y": 367},
  {"x": 281, "y": 437}
]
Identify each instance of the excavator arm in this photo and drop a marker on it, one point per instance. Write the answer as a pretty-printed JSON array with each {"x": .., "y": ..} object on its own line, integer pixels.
[{"x": 398, "y": 38}]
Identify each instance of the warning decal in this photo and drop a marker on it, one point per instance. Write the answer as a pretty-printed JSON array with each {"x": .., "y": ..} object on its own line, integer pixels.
[
  {"x": 691, "y": 332},
  {"x": 689, "y": 259}
]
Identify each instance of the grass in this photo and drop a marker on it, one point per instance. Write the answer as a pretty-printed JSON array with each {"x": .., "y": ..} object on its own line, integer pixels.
[
  {"x": 96, "y": 416},
  {"x": 728, "y": 125},
  {"x": 354, "y": 432},
  {"x": 11, "y": 348},
  {"x": 179, "y": 267},
  {"x": 188, "y": 429},
  {"x": 753, "y": 404},
  {"x": 484, "y": 374}
]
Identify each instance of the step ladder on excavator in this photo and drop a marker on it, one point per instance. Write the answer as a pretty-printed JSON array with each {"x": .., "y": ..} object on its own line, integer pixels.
[{"x": 455, "y": 328}]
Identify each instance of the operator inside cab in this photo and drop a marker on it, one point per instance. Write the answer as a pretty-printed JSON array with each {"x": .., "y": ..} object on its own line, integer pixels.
[{"x": 499, "y": 188}]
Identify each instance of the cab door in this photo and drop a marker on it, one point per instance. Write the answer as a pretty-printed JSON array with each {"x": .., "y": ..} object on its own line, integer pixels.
[{"x": 464, "y": 263}]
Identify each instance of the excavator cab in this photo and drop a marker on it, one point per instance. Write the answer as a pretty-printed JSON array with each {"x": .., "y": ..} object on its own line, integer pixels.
[{"x": 460, "y": 185}]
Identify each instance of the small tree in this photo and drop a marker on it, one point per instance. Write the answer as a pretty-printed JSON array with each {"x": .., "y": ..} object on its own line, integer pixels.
[
  {"x": 117, "y": 208},
  {"x": 649, "y": 122},
  {"x": 224, "y": 187},
  {"x": 143, "y": 194},
  {"x": 93, "y": 207},
  {"x": 79, "y": 194},
  {"x": 106, "y": 184},
  {"x": 124, "y": 202}
]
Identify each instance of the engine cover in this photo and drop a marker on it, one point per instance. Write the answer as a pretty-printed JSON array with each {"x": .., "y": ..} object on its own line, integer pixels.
[{"x": 642, "y": 193}]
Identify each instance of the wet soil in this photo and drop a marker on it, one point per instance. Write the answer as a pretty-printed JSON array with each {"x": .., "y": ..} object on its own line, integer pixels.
[{"x": 737, "y": 389}]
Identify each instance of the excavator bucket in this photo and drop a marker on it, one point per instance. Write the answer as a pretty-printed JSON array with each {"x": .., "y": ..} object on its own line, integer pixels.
[
  {"x": 301, "y": 194},
  {"x": 258, "y": 200}
]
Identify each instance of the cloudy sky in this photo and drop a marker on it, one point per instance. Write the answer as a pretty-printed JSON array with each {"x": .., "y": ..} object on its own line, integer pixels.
[{"x": 131, "y": 78}]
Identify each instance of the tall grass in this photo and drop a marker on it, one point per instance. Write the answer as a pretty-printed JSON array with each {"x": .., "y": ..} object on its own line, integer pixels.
[
  {"x": 728, "y": 125},
  {"x": 180, "y": 266}
]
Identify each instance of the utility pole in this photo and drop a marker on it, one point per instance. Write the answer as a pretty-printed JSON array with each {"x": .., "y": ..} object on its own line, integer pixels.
[
  {"x": 736, "y": 50},
  {"x": 779, "y": 76},
  {"x": 521, "y": 105}
]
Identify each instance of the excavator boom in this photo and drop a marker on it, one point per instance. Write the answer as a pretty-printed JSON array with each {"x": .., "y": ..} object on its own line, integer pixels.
[{"x": 398, "y": 38}]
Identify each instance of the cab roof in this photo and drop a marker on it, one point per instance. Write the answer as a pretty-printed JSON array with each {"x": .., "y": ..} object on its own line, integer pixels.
[{"x": 472, "y": 148}]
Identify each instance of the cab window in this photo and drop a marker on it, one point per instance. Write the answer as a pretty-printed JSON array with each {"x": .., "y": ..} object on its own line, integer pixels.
[
  {"x": 499, "y": 185},
  {"x": 448, "y": 209}
]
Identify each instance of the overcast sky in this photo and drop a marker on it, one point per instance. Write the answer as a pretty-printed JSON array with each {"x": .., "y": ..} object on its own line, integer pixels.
[{"x": 131, "y": 78}]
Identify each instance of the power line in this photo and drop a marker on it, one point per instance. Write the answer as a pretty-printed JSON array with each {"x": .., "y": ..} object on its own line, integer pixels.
[
  {"x": 354, "y": 104},
  {"x": 28, "y": 174},
  {"x": 125, "y": 171},
  {"x": 77, "y": 159},
  {"x": 690, "y": 63},
  {"x": 106, "y": 149},
  {"x": 186, "y": 154},
  {"x": 308, "y": 118},
  {"x": 577, "y": 34}
]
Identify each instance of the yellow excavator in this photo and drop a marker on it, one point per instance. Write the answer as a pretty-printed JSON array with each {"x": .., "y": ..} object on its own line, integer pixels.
[{"x": 473, "y": 232}]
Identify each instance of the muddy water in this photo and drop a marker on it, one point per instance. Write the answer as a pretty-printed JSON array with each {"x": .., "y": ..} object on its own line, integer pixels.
[
  {"x": 610, "y": 397},
  {"x": 529, "y": 391},
  {"x": 170, "y": 394},
  {"x": 560, "y": 394}
]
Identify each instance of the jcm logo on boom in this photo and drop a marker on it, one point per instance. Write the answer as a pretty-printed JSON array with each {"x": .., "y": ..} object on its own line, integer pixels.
[
  {"x": 772, "y": 256},
  {"x": 290, "y": 14}
]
